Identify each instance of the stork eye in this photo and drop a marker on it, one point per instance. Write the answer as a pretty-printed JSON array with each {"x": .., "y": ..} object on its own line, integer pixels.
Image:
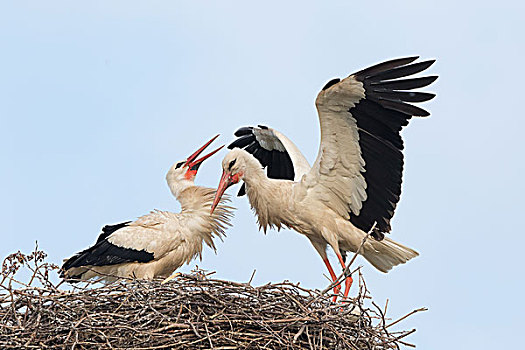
[
  {"x": 179, "y": 164},
  {"x": 232, "y": 163}
]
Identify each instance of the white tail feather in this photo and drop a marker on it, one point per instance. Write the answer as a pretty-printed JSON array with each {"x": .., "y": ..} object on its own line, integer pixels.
[{"x": 387, "y": 253}]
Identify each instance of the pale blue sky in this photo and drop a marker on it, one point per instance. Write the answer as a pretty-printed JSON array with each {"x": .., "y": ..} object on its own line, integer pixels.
[{"x": 97, "y": 100}]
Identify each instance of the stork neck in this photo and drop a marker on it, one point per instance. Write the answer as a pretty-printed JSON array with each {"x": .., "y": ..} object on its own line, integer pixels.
[
  {"x": 195, "y": 199},
  {"x": 177, "y": 186},
  {"x": 269, "y": 199},
  {"x": 258, "y": 185},
  {"x": 254, "y": 175}
]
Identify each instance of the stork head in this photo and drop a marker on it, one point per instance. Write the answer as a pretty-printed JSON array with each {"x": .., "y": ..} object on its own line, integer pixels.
[
  {"x": 233, "y": 170},
  {"x": 182, "y": 174}
]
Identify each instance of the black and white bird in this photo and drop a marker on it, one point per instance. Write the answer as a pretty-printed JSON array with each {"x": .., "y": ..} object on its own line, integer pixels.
[
  {"x": 354, "y": 183},
  {"x": 156, "y": 244}
]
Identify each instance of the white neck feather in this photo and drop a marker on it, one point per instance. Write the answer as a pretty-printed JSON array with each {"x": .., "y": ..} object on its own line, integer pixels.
[
  {"x": 177, "y": 184},
  {"x": 267, "y": 196},
  {"x": 254, "y": 173},
  {"x": 196, "y": 202}
]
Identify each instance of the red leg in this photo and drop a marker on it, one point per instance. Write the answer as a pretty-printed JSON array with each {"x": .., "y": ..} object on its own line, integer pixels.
[
  {"x": 348, "y": 279},
  {"x": 334, "y": 277}
]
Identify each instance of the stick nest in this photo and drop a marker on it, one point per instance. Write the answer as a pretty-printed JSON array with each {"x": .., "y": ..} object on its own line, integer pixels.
[{"x": 190, "y": 312}]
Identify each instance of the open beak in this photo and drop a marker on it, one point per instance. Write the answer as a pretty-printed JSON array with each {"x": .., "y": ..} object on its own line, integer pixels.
[
  {"x": 226, "y": 181},
  {"x": 194, "y": 164}
]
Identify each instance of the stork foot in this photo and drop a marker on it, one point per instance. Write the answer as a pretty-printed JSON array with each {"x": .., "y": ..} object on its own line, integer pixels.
[
  {"x": 337, "y": 288},
  {"x": 175, "y": 275}
]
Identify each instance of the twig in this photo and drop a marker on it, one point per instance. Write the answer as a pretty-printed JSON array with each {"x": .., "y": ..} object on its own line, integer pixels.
[
  {"x": 251, "y": 278},
  {"x": 190, "y": 313},
  {"x": 407, "y": 315}
]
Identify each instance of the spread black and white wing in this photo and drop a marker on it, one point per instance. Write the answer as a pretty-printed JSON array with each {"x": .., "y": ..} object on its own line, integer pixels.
[
  {"x": 358, "y": 170},
  {"x": 281, "y": 158}
]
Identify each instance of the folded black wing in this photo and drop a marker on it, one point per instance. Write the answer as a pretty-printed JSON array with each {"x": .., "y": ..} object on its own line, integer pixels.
[{"x": 268, "y": 149}]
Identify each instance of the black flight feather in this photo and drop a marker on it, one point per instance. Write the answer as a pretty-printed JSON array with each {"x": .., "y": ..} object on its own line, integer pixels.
[
  {"x": 403, "y": 71},
  {"x": 384, "y": 66},
  {"x": 405, "y": 84},
  {"x": 380, "y": 116},
  {"x": 105, "y": 253}
]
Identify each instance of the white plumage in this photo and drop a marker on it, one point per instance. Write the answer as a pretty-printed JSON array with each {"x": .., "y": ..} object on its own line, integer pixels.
[
  {"x": 156, "y": 244},
  {"x": 355, "y": 182}
]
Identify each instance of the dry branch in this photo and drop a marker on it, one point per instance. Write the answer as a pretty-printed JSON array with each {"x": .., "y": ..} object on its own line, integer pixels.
[{"x": 191, "y": 312}]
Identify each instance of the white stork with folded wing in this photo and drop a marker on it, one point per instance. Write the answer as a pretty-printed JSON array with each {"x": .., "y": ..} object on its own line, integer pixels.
[
  {"x": 355, "y": 181},
  {"x": 157, "y": 243}
]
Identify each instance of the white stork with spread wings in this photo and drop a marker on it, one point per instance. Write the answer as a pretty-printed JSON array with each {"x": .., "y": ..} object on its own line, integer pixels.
[
  {"x": 356, "y": 178},
  {"x": 156, "y": 244}
]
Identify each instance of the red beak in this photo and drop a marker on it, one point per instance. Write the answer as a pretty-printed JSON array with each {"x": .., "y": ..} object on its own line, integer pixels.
[
  {"x": 225, "y": 182},
  {"x": 194, "y": 164}
]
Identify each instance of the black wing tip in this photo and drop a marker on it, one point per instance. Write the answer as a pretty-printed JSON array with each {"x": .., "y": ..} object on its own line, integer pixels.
[
  {"x": 426, "y": 64},
  {"x": 429, "y": 79},
  {"x": 432, "y": 78},
  {"x": 233, "y": 144},
  {"x": 69, "y": 263},
  {"x": 403, "y": 84},
  {"x": 401, "y": 106},
  {"x": 331, "y": 83},
  {"x": 408, "y": 59},
  {"x": 243, "y": 131},
  {"x": 430, "y": 95},
  {"x": 107, "y": 230},
  {"x": 384, "y": 66},
  {"x": 399, "y": 63},
  {"x": 242, "y": 141},
  {"x": 112, "y": 228},
  {"x": 399, "y": 72},
  {"x": 405, "y": 96}
]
